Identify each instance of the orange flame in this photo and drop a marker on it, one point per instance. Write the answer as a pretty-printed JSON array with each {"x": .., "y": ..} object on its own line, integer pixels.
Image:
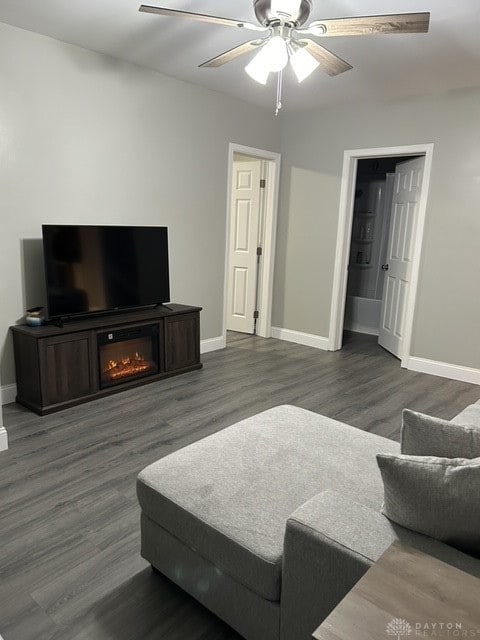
[{"x": 126, "y": 367}]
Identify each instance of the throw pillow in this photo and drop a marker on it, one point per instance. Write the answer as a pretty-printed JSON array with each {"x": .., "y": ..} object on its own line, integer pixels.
[
  {"x": 434, "y": 496},
  {"x": 423, "y": 435}
]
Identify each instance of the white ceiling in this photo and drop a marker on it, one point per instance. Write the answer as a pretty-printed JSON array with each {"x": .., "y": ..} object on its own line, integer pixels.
[{"x": 448, "y": 57}]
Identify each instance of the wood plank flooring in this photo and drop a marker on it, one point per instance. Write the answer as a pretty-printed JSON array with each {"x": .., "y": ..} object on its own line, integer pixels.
[{"x": 70, "y": 567}]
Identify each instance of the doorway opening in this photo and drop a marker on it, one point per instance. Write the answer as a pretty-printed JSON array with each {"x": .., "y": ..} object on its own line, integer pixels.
[
  {"x": 383, "y": 203},
  {"x": 252, "y": 202}
]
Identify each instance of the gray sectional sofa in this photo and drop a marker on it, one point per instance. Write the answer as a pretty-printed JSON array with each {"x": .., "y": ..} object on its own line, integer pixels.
[{"x": 270, "y": 522}]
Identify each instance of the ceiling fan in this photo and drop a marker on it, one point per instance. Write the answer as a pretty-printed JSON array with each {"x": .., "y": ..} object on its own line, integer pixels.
[{"x": 283, "y": 38}]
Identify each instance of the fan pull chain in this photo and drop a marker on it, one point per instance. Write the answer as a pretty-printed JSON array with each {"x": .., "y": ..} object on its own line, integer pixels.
[{"x": 278, "y": 105}]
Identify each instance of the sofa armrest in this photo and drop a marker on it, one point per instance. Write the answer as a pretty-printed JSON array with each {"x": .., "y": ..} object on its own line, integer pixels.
[{"x": 330, "y": 542}]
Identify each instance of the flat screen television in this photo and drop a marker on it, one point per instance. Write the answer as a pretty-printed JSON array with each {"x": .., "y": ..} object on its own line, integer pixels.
[{"x": 97, "y": 269}]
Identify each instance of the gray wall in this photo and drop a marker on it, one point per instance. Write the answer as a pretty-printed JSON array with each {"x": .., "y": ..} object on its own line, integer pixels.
[
  {"x": 448, "y": 305},
  {"x": 88, "y": 139},
  {"x": 85, "y": 138}
]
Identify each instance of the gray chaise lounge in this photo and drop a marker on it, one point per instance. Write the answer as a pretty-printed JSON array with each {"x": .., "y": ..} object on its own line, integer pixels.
[{"x": 270, "y": 522}]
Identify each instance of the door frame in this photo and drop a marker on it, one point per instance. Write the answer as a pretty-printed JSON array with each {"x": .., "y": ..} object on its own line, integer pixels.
[
  {"x": 264, "y": 324},
  {"x": 344, "y": 233}
]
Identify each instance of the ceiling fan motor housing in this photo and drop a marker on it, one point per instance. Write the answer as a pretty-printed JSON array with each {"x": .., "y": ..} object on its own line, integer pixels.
[{"x": 265, "y": 15}]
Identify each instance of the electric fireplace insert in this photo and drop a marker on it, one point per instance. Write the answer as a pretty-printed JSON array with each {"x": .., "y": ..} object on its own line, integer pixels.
[{"x": 127, "y": 354}]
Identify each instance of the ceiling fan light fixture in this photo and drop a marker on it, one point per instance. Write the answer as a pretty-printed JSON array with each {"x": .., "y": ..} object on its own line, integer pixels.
[
  {"x": 303, "y": 63},
  {"x": 257, "y": 70},
  {"x": 274, "y": 54},
  {"x": 272, "y": 57}
]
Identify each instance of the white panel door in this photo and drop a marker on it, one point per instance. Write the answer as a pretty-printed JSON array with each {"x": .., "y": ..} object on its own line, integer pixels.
[
  {"x": 244, "y": 223},
  {"x": 398, "y": 266}
]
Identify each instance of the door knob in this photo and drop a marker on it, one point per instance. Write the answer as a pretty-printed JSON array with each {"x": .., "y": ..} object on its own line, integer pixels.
[{"x": 385, "y": 267}]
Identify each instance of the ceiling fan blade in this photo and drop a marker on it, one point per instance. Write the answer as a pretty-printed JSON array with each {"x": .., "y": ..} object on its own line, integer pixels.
[
  {"x": 231, "y": 54},
  {"x": 329, "y": 62},
  {"x": 200, "y": 17},
  {"x": 369, "y": 25}
]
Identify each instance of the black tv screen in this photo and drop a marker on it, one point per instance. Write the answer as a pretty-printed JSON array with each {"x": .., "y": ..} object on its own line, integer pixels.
[{"x": 93, "y": 269}]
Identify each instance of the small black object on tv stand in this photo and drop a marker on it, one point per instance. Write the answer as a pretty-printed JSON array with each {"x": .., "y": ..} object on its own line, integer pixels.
[{"x": 59, "y": 366}]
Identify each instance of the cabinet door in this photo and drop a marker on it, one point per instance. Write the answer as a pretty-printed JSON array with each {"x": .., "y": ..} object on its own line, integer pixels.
[
  {"x": 182, "y": 341},
  {"x": 67, "y": 367}
]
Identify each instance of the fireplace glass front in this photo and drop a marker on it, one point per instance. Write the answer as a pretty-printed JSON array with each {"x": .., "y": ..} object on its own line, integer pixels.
[{"x": 127, "y": 354}]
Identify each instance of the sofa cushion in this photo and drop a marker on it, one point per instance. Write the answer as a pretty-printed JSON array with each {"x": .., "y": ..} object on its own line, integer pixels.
[
  {"x": 434, "y": 496},
  {"x": 424, "y": 435},
  {"x": 229, "y": 495}
]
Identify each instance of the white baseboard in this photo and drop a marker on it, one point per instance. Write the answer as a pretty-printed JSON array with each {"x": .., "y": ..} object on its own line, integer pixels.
[
  {"x": 3, "y": 446},
  {"x": 307, "y": 339},
  {"x": 212, "y": 344},
  {"x": 444, "y": 369},
  {"x": 8, "y": 393}
]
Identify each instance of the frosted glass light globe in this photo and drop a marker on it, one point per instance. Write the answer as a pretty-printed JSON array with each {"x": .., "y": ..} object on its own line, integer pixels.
[
  {"x": 274, "y": 54},
  {"x": 257, "y": 70},
  {"x": 303, "y": 63}
]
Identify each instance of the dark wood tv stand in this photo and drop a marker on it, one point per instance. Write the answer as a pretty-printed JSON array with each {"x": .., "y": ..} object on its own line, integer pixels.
[{"x": 59, "y": 366}]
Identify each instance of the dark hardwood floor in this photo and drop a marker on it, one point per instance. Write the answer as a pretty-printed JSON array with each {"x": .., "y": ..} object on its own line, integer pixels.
[{"x": 70, "y": 567}]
